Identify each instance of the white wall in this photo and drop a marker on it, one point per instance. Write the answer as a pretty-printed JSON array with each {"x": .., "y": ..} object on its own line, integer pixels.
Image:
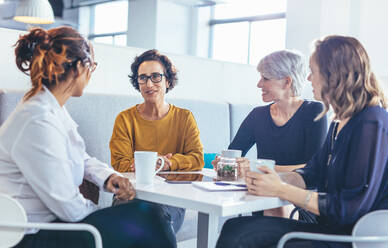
[
  {"x": 142, "y": 19},
  {"x": 365, "y": 20},
  {"x": 10, "y": 77},
  {"x": 198, "y": 78},
  {"x": 152, "y": 23},
  {"x": 201, "y": 31},
  {"x": 167, "y": 25},
  {"x": 374, "y": 34},
  {"x": 173, "y": 27}
]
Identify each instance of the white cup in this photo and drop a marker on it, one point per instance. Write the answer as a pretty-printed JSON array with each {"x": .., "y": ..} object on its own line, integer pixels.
[
  {"x": 255, "y": 164},
  {"x": 231, "y": 153},
  {"x": 145, "y": 165}
]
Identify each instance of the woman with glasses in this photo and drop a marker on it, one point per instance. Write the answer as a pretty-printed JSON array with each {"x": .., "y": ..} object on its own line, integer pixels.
[
  {"x": 348, "y": 177},
  {"x": 43, "y": 159},
  {"x": 156, "y": 125}
]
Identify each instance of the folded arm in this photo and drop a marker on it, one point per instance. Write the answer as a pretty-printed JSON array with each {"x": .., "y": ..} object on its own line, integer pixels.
[
  {"x": 121, "y": 147},
  {"x": 192, "y": 156}
]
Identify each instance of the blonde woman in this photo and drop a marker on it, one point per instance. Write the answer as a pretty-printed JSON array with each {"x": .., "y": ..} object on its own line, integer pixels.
[{"x": 349, "y": 173}]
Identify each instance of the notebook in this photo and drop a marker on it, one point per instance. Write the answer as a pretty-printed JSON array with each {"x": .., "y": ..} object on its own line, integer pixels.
[{"x": 220, "y": 186}]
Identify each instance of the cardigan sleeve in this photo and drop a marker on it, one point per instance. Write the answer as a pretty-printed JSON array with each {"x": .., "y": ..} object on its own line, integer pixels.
[
  {"x": 192, "y": 156},
  {"x": 121, "y": 146},
  {"x": 364, "y": 176}
]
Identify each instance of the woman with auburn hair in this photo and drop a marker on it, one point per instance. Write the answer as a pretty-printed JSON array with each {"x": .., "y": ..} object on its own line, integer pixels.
[
  {"x": 43, "y": 159},
  {"x": 348, "y": 177}
]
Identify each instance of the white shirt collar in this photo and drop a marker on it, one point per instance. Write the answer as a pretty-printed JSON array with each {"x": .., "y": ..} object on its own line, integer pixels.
[{"x": 46, "y": 96}]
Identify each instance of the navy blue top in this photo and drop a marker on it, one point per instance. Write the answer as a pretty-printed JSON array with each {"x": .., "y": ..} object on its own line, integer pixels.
[
  {"x": 293, "y": 143},
  {"x": 355, "y": 181}
]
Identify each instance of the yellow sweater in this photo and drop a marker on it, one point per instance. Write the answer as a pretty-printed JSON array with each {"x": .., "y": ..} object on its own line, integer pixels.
[{"x": 176, "y": 133}]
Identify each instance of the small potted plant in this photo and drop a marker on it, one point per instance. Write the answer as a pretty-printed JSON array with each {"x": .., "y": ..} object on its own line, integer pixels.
[{"x": 227, "y": 169}]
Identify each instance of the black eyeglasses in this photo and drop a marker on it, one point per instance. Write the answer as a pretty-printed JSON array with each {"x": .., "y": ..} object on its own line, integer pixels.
[
  {"x": 155, "y": 78},
  {"x": 92, "y": 66},
  {"x": 85, "y": 62}
]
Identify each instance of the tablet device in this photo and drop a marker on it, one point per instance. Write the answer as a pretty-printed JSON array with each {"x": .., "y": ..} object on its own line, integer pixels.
[{"x": 182, "y": 178}]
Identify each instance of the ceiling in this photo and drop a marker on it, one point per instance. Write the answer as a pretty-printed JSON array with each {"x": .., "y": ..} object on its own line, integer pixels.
[
  {"x": 184, "y": 2},
  {"x": 87, "y": 2}
]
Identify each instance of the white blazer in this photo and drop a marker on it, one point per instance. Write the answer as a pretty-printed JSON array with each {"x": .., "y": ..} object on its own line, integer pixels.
[{"x": 43, "y": 161}]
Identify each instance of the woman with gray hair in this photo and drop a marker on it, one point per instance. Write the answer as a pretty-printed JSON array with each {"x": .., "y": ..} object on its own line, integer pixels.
[{"x": 285, "y": 130}]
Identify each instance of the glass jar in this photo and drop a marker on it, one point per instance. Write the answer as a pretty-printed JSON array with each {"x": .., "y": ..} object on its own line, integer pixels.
[{"x": 227, "y": 169}]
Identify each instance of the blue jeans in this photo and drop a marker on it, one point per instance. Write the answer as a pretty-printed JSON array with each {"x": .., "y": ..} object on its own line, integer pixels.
[{"x": 173, "y": 215}]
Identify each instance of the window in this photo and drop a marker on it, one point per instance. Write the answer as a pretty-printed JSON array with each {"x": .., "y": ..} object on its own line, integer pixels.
[
  {"x": 231, "y": 42},
  {"x": 266, "y": 37},
  {"x": 109, "y": 22},
  {"x": 245, "y": 31}
]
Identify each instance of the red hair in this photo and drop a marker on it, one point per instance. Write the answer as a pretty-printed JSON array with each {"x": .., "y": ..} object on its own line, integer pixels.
[{"x": 49, "y": 56}]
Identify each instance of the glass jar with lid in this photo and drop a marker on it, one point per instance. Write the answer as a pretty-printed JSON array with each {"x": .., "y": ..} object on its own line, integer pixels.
[{"x": 227, "y": 169}]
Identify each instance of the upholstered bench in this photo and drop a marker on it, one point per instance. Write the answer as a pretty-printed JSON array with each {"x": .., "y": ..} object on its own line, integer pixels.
[{"x": 95, "y": 114}]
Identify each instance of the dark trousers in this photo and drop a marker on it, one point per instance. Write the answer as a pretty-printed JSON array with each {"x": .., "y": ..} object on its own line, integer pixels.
[
  {"x": 133, "y": 224},
  {"x": 265, "y": 231}
]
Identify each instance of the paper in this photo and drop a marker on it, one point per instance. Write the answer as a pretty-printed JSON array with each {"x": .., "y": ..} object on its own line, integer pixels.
[{"x": 212, "y": 186}]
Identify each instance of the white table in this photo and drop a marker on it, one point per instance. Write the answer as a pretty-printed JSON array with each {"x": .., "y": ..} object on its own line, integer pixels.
[{"x": 210, "y": 205}]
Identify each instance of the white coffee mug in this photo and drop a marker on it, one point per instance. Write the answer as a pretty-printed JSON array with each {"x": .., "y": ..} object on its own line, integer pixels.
[
  {"x": 145, "y": 165},
  {"x": 255, "y": 164},
  {"x": 231, "y": 153}
]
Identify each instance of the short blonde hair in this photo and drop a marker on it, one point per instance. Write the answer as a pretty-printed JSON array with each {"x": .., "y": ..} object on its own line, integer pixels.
[
  {"x": 285, "y": 63},
  {"x": 349, "y": 83}
]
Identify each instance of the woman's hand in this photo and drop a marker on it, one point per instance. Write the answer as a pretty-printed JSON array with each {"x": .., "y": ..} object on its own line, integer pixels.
[
  {"x": 132, "y": 167},
  {"x": 121, "y": 187},
  {"x": 215, "y": 162},
  {"x": 267, "y": 184},
  {"x": 243, "y": 167},
  {"x": 167, "y": 162}
]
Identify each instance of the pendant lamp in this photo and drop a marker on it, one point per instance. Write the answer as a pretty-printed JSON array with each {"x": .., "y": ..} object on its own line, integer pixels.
[{"x": 34, "y": 11}]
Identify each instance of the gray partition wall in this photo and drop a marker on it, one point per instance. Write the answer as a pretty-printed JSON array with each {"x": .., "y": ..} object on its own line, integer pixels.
[
  {"x": 238, "y": 112},
  {"x": 95, "y": 114}
]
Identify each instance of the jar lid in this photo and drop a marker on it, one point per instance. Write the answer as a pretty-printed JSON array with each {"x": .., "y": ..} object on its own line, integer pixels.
[{"x": 227, "y": 160}]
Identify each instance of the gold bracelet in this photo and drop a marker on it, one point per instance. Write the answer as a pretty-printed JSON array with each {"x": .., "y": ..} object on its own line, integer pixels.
[{"x": 308, "y": 198}]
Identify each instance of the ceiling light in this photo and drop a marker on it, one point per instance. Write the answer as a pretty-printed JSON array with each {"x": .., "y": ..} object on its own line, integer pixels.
[{"x": 34, "y": 11}]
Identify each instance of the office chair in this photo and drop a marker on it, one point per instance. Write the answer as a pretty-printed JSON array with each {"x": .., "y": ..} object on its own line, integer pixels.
[
  {"x": 13, "y": 223},
  {"x": 371, "y": 230}
]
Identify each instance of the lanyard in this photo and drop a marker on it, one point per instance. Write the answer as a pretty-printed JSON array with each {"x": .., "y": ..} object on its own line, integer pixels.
[
  {"x": 333, "y": 135},
  {"x": 333, "y": 138}
]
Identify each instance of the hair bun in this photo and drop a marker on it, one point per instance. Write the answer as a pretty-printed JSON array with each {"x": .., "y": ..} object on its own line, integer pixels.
[
  {"x": 26, "y": 45},
  {"x": 39, "y": 36}
]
